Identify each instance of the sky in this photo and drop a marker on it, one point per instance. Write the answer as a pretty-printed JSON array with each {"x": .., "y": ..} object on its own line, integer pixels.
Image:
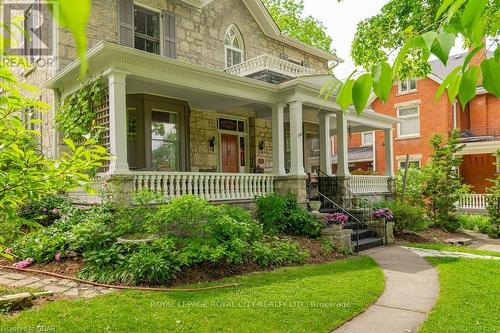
[{"x": 341, "y": 20}]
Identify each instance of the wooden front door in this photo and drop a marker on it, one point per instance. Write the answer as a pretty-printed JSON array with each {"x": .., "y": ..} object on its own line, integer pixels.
[{"x": 229, "y": 152}]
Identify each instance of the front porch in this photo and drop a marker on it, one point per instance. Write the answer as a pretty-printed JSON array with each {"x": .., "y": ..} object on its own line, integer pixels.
[{"x": 177, "y": 128}]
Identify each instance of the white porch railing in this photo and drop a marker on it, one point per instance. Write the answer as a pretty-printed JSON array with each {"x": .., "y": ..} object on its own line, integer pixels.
[
  {"x": 267, "y": 62},
  {"x": 473, "y": 202},
  {"x": 211, "y": 186},
  {"x": 369, "y": 184}
]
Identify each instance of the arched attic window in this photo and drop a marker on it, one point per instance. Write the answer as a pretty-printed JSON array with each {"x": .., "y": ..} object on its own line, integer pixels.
[{"x": 233, "y": 46}]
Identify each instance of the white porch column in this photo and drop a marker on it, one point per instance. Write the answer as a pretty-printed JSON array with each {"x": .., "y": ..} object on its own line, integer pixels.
[
  {"x": 278, "y": 126},
  {"x": 389, "y": 152},
  {"x": 342, "y": 145},
  {"x": 325, "y": 144},
  {"x": 296, "y": 140},
  {"x": 117, "y": 121}
]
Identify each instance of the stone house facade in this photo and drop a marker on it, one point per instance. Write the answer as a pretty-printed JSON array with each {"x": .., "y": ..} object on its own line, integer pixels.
[{"x": 205, "y": 97}]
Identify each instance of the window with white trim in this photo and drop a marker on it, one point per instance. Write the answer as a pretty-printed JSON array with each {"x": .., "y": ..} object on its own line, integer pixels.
[
  {"x": 367, "y": 138},
  {"x": 147, "y": 30},
  {"x": 407, "y": 85},
  {"x": 411, "y": 164},
  {"x": 233, "y": 46},
  {"x": 410, "y": 121}
]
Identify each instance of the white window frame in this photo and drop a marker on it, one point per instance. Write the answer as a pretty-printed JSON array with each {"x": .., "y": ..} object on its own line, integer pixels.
[
  {"x": 241, "y": 50},
  {"x": 160, "y": 15},
  {"x": 409, "y": 90},
  {"x": 400, "y": 162},
  {"x": 409, "y": 106},
  {"x": 363, "y": 140}
]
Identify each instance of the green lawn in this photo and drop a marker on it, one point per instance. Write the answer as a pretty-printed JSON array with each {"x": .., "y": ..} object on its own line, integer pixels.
[
  {"x": 453, "y": 248},
  {"x": 469, "y": 297},
  {"x": 311, "y": 298}
]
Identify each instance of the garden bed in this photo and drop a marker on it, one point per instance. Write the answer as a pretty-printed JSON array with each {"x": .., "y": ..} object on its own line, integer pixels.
[{"x": 431, "y": 235}]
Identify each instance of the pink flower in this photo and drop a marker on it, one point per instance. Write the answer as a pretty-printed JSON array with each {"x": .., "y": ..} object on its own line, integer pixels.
[
  {"x": 24, "y": 264},
  {"x": 8, "y": 250},
  {"x": 55, "y": 211},
  {"x": 57, "y": 257}
]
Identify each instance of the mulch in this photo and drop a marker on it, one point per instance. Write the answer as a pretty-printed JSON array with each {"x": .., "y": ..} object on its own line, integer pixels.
[
  {"x": 206, "y": 272},
  {"x": 431, "y": 235}
]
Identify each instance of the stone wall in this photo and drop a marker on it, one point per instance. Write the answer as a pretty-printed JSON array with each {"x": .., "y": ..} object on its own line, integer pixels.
[
  {"x": 203, "y": 126},
  {"x": 261, "y": 131},
  {"x": 200, "y": 32}
]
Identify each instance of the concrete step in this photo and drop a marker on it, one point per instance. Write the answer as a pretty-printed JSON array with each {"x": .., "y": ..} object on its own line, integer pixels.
[
  {"x": 362, "y": 233},
  {"x": 368, "y": 243}
]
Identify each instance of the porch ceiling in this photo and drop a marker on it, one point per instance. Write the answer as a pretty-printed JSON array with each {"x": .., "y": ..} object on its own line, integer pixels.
[{"x": 204, "y": 87}]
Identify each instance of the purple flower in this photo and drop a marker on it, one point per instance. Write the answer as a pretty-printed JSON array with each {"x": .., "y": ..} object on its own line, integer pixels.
[
  {"x": 25, "y": 263},
  {"x": 55, "y": 211},
  {"x": 384, "y": 213},
  {"x": 337, "y": 218},
  {"x": 57, "y": 257}
]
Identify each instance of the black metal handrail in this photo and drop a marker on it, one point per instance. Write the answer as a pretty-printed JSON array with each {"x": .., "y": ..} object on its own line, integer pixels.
[
  {"x": 357, "y": 222},
  {"x": 366, "y": 206}
]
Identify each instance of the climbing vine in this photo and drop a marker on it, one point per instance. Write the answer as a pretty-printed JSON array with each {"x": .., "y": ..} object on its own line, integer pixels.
[{"x": 76, "y": 117}]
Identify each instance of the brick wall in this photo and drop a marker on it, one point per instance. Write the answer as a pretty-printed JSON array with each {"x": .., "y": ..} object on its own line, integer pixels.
[{"x": 435, "y": 117}]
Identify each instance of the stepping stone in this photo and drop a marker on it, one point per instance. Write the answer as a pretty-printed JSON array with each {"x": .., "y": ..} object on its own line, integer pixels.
[
  {"x": 72, "y": 292},
  {"x": 5, "y": 282},
  {"x": 90, "y": 294},
  {"x": 14, "y": 276},
  {"x": 50, "y": 281},
  {"x": 459, "y": 241},
  {"x": 35, "y": 285},
  {"x": 16, "y": 301},
  {"x": 55, "y": 288},
  {"x": 24, "y": 282}
]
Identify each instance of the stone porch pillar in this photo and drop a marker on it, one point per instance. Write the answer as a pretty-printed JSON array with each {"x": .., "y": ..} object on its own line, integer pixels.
[
  {"x": 117, "y": 121},
  {"x": 325, "y": 144},
  {"x": 278, "y": 127},
  {"x": 389, "y": 152}
]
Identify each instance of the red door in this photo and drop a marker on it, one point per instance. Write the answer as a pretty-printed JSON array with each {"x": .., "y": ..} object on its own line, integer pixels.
[{"x": 229, "y": 152}]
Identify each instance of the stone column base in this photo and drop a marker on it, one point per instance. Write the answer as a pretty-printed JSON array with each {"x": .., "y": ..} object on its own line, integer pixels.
[
  {"x": 121, "y": 188},
  {"x": 341, "y": 239},
  {"x": 296, "y": 185},
  {"x": 380, "y": 228}
]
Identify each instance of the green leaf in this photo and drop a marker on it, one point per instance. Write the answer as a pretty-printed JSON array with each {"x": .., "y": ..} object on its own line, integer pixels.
[
  {"x": 401, "y": 55},
  {"x": 497, "y": 54},
  {"x": 382, "y": 80},
  {"x": 444, "y": 6},
  {"x": 442, "y": 45},
  {"x": 472, "y": 13},
  {"x": 454, "y": 86},
  {"x": 446, "y": 82},
  {"x": 426, "y": 40},
  {"x": 361, "y": 92},
  {"x": 491, "y": 73},
  {"x": 344, "y": 98},
  {"x": 468, "y": 85},
  {"x": 74, "y": 15},
  {"x": 453, "y": 9}
]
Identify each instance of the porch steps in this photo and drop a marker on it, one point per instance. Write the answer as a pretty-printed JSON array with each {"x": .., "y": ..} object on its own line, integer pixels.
[{"x": 367, "y": 238}]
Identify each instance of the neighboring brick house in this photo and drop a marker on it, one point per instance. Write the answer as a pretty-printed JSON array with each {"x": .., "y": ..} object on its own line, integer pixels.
[
  {"x": 421, "y": 116},
  {"x": 205, "y": 97}
]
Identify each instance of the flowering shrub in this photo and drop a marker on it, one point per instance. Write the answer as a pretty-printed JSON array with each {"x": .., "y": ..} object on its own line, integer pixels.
[
  {"x": 385, "y": 213},
  {"x": 337, "y": 218},
  {"x": 25, "y": 263}
]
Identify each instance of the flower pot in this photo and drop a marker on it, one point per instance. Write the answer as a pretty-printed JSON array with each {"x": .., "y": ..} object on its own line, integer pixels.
[
  {"x": 315, "y": 205},
  {"x": 336, "y": 226}
]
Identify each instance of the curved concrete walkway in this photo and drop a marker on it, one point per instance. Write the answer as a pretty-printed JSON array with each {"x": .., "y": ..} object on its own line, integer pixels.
[{"x": 411, "y": 289}]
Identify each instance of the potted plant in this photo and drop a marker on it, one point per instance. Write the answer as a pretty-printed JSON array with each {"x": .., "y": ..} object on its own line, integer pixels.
[
  {"x": 337, "y": 221},
  {"x": 383, "y": 214},
  {"x": 315, "y": 205}
]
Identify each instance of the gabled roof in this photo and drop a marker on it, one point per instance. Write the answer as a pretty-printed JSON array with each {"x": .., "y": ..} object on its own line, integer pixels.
[
  {"x": 440, "y": 71},
  {"x": 259, "y": 11}
]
